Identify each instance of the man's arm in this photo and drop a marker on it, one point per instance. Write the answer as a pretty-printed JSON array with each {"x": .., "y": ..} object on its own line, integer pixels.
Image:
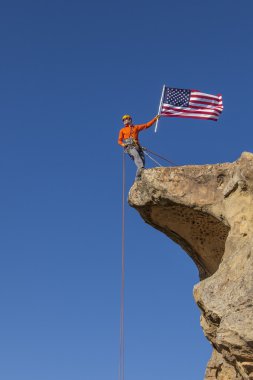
[
  {"x": 120, "y": 139},
  {"x": 140, "y": 127}
]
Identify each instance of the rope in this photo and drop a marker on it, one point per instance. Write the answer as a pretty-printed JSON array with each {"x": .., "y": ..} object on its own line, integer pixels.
[
  {"x": 157, "y": 155},
  {"x": 122, "y": 296},
  {"x": 151, "y": 158}
]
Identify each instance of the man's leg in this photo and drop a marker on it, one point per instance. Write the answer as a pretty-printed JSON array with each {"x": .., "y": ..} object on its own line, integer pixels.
[{"x": 139, "y": 162}]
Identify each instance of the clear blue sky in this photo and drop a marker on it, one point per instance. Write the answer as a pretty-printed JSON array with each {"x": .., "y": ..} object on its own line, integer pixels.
[{"x": 69, "y": 71}]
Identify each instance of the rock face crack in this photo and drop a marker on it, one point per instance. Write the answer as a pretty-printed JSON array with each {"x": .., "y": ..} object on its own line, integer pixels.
[{"x": 208, "y": 211}]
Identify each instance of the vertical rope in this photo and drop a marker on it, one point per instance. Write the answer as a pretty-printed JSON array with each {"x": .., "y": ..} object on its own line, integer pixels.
[{"x": 122, "y": 295}]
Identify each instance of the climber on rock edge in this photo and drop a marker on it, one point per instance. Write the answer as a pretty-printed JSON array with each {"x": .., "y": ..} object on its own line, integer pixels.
[{"x": 128, "y": 138}]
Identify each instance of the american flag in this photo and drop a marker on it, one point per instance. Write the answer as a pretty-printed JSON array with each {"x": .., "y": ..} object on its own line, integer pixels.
[{"x": 194, "y": 104}]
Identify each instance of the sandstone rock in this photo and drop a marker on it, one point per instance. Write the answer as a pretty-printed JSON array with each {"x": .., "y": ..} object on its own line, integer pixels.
[{"x": 208, "y": 211}]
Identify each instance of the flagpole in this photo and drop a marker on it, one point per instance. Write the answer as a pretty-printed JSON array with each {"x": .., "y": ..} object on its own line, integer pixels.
[{"x": 156, "y": 124}]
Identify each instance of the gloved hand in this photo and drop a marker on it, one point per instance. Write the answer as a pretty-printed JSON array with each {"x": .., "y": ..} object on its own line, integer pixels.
[{"x": 158, "y": 117}]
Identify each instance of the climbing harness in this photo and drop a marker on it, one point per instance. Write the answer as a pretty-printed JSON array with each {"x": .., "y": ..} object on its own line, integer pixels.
[
  {"x": 130, "y": 141},
  {"x": 122, "y": 295}
]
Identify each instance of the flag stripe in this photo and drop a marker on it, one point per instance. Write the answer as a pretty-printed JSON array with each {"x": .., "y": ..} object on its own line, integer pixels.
[
  {"x": 190, "y": 117},
  {"x": 204, "y": 105},
  {"x": 217, "y": 108},
  {"x": 188, "y": 112},
  {"x": 205, "y": 101},
  {"x": 196, "y": 113},
  {"x": 215, "y": 97},
  {"x": 191, "y": 109},
  {"x": 195, "y": 105}
]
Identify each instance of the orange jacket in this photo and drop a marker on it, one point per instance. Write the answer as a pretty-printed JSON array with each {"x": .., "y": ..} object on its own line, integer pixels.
[{"x": 133, "y": 131}]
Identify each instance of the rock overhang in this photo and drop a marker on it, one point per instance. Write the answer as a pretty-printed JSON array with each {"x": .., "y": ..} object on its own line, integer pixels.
[{"x": 180, "y": 202}]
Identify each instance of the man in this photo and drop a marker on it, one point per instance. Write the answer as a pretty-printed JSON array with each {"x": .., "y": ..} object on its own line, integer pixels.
[{"x": 128, "y": 138}]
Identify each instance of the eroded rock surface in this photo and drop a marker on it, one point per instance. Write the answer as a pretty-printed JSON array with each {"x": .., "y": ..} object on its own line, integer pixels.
[{"x": 208, "y": 211}]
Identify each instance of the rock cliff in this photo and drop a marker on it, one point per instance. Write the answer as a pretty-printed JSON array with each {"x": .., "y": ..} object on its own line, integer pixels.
[{"x": 208, "y": 211}]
